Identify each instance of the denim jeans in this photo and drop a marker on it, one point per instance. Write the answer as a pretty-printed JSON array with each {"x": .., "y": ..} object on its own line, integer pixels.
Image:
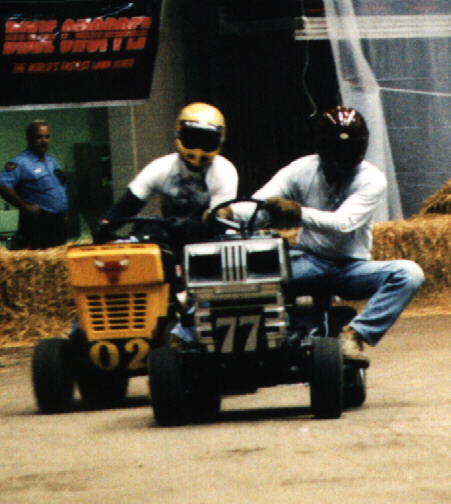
[{"x": 388, "y": 285}]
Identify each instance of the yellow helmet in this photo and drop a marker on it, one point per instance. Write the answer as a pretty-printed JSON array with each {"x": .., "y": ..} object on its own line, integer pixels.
[{"x": 199, "y": 133}]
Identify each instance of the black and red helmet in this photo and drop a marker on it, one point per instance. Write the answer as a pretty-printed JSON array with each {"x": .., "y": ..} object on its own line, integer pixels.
[{"x": 342, "y": 138}]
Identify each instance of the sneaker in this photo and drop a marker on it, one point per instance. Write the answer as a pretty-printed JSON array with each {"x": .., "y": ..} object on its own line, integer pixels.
[{"x": 352, "y": 346}]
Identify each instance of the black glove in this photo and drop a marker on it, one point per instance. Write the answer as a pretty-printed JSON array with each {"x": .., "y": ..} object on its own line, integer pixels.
[
  {"x": 102, "y": 233},
  {"x": 284, "y": 213}
]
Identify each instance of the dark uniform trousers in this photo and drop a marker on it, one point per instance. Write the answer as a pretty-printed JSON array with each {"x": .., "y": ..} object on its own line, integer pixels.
[{"x": 43, "y": 230}]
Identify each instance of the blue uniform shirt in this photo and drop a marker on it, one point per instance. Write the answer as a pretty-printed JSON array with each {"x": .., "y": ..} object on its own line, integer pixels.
[{"x": 36, "y": 181}]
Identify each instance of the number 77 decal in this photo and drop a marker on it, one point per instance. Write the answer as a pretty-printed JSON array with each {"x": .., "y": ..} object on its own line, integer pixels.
[{"x": 231, "y": 323}]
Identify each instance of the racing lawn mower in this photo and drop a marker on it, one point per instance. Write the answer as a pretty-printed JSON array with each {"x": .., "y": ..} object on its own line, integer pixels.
[
  {"x": 250, "y": 332},
  {"x": 124, "y": 290}
]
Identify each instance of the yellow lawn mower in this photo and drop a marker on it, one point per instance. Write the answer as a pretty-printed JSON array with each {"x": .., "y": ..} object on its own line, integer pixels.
[{"x": 125, "y": 296}]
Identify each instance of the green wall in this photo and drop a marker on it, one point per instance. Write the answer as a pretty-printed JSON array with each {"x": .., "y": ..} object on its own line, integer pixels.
[{"x": 68, "y": 127}]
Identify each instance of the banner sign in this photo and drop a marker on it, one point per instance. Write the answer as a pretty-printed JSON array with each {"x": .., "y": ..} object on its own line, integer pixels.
[{"x": 77, "y": 52}]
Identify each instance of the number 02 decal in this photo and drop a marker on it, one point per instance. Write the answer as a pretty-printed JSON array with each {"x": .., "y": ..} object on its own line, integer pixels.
[
  {"x": 106, "y": 355},
  {"x": 231, "y": 323}
]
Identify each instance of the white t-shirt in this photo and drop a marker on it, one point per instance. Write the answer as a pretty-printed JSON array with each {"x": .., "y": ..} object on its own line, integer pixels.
[
  {"x": 334, "y": 224},
  {"x": 169, "y": 177}
]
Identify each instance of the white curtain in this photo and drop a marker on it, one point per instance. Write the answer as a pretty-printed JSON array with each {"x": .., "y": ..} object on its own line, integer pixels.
[{"x": 392, "y": 64}]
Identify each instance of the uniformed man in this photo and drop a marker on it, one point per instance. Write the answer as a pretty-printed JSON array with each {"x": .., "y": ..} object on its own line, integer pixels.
[{"x": 34, "y": 183}]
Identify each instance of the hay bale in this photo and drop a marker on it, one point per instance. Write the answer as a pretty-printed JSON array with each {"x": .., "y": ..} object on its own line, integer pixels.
[
  {"x": 439, "y": 202},
  {"x": 34, "y": 292},
  {"x": 424, "y": 239}
]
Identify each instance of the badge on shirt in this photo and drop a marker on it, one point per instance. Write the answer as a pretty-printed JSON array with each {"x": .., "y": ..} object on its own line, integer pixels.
[{"x": 10, "y": 166}]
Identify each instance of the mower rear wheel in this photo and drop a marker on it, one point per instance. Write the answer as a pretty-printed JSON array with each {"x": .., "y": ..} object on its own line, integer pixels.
[{"x": 354, "y": 386}]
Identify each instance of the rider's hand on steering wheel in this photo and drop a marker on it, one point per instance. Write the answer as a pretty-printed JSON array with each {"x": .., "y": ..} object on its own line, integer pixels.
[{"x": 223, "y": 213}]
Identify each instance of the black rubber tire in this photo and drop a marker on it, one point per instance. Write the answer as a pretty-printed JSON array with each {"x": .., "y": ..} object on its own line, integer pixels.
[
  {"x": 168, "y": 394},
  {"x": 205, "y": 400},
  {"x": 52, "y": 375},
  {"x": 354, "y": 386},
  {"x": 100, "y": 388},
  {"x": 326, "y": 383}
]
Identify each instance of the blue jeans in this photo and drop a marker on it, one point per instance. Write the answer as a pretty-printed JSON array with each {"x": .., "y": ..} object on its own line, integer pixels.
[{"x": 388, "y": 285}]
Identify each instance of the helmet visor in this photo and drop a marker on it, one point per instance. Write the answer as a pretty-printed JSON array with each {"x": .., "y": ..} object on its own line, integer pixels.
[
  {"x": 194, "y": 137},
  {"x": 345, "y": 155},
  {"x": 349, "y": 155}
]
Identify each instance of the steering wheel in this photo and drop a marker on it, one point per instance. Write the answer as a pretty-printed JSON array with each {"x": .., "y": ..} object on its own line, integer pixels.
[
  {"x": 160, "y": 227},
  {"x": 245, "y": 228}
]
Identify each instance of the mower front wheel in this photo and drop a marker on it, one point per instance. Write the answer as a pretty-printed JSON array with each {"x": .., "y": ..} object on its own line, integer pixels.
[
  {"x": 326, "y": 384},
  {"x": 168, "y": 393},
  {"x": 52, "y": 375}
]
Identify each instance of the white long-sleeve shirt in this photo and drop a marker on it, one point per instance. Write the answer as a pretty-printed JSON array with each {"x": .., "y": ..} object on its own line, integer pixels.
[{"x": 334, "y": 224}]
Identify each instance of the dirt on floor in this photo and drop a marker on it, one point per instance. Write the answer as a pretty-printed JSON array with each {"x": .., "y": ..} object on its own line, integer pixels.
[{"x": 264, "y": 448}]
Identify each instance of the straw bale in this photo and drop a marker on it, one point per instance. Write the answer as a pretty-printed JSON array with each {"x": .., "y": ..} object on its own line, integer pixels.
[
  {"x": 424, "y": 239},
  {"x": 34, "y": 292},
  {"x": 439, "y": 202}
]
